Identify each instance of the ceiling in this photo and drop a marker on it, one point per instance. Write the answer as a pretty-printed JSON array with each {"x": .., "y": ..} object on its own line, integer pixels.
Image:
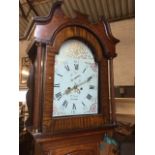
[{"x": 112, "y": 10}]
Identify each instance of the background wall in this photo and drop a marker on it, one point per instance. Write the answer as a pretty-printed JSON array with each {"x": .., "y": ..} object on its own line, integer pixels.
[
  {"x": 124, "y": 66},
  {"x": 124, "y": 63},
  {"x": 22, "y": 48}
]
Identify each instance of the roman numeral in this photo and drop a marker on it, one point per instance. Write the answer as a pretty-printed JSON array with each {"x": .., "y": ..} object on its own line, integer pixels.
[
  {"x": 84, "y": 70},
  {"x": 88, "y": 96},
  {"x": 83, "y": 104},
  {"x": 57, "y": 85},
  {"x": 76, "y": 66},
  {"x": 58, "y": 95},
  {"x": 91, "y": 87},
  {"x": 74, "y": 107},
  {"x": 65, "y": 103},
  {"x": 67, "y": 67},
  {"x": 60, "y": 75},
  {"x": 89, "y": 78}
]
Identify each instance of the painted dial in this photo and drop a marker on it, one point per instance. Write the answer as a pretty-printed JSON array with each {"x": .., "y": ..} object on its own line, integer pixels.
[{"x": 75, "y": 81}]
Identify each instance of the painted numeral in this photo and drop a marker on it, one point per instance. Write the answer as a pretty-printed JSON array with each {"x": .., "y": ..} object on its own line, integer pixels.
[
  {"x": 84, "y": 70},
  {"x": 74, "y": 107},
  {"x": 67, "y": 67},
  {"x": 91, "y": 87},
  {"x": 76, "y": 66},
  {"x": 58, "y": 95},
  {"x": 57, "y": 85},
  {"x": 89, "y": 78},
  {"x": 60, "y": 75},
  {"x": 83, "y": 104},
  {"x": 65, "y": 103}
]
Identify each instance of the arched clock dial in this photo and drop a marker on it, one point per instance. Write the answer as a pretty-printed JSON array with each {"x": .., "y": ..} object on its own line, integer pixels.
[{"x": 75, "y": 80}]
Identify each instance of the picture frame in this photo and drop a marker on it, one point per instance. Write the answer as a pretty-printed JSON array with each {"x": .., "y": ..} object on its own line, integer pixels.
[{"x": 25, "y": 64}]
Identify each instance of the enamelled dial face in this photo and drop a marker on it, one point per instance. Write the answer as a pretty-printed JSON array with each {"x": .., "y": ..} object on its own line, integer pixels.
[{"x": 75, "y": 80}]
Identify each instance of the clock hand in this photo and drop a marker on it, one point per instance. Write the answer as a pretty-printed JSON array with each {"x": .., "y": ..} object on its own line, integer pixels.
[
  {"x": 68, "y": 90},
  {"x": 78, "y": 90},
  {"x": 75, "y": 77},
  {"x": 87, "y": 80}
]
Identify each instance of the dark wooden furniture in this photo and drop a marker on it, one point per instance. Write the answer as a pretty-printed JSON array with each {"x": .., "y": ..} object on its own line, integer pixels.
[{"x": 70, "y": 135}]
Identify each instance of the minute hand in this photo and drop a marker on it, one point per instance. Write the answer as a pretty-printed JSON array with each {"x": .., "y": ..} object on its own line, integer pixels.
[{"x": 88, "y": 79}]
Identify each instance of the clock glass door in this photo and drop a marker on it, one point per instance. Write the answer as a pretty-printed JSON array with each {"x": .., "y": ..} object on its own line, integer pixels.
[{"x": 75, "y": 80}]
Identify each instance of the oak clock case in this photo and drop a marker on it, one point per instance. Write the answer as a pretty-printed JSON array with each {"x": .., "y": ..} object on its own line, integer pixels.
[{"x": 75, "y": 80}]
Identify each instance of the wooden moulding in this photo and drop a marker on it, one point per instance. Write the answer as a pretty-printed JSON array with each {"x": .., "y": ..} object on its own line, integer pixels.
[{"x": 46, "y": 28}]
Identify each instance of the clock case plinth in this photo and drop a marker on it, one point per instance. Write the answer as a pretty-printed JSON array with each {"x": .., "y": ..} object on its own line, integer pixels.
[
  {"x": 74, "y": 143},
  {"x": 49, "y": 34}
]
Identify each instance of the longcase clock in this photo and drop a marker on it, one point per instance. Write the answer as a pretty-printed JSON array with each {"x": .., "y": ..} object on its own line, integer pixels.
[{"x": 70, "y": 94}]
